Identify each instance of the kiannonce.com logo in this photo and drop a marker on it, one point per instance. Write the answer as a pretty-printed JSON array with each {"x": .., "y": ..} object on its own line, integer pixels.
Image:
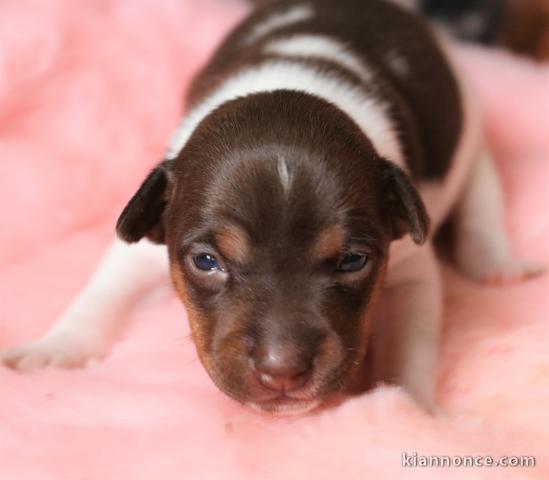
[{"x": 413, "y": 460}]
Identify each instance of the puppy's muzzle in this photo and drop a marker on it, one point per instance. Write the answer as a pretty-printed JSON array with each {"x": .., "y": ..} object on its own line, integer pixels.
[{"x": 282, "y": 367}]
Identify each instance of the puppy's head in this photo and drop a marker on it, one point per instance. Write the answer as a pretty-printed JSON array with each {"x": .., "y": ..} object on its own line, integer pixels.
[{"x": 277, "y": 214}]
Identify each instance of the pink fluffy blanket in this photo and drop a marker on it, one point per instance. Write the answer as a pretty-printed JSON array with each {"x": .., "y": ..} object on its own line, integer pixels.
[{"x": 90, "y": 92}]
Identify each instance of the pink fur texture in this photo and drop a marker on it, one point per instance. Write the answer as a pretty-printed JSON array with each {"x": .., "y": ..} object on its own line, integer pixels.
[{"x": 90, "y": 91}]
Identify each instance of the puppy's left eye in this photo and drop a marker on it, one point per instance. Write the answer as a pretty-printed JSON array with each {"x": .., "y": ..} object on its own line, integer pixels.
[
  {"x": 352, "y": 262},
  {"x": 207, "y": 263},
  {"x": 205, "y": 269}
]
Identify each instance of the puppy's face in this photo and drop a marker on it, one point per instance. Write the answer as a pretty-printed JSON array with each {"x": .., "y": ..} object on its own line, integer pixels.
[
  {"x": 278, "y": 246},
  {"x": 277, "y": 271}
]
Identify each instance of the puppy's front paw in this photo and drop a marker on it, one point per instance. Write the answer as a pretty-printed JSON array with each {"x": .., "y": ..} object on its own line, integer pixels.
[
  {"x": 514, "y": 271},
  {"x": 501, "y": 273},
  {"x": 496, "y": 270},
  {"x": 60, "y": 350}
]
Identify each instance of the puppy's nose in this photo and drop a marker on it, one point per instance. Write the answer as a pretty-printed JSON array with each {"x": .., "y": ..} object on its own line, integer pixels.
[{"x": 282, "y": 368}]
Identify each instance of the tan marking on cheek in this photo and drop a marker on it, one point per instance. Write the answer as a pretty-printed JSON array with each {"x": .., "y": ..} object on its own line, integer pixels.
[
  {"x": 329, "y": 243},
  {"x": 232, "y": 347},
  {"x": 234, "y": 243},
  {"x": 360, "y": 374},
  {"x": 195, "y": 319},
  {"x": 374, "y": 299}
]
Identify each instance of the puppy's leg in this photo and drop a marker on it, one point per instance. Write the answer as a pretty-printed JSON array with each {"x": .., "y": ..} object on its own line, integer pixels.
[
  {"x": 406, "y": 335},
  {"x": 482, "y": 245},
  {"x": 91, "y": 323}
]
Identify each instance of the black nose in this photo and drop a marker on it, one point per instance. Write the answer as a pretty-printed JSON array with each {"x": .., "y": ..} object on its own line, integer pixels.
[{"x": 282, "y": 368}]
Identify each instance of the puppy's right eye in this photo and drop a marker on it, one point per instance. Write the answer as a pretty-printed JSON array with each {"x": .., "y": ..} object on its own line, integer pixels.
[
  {"x": 206, "y": 269},
  {"x": 207, "y": 263},
  {"x": 352, "y": 262}
]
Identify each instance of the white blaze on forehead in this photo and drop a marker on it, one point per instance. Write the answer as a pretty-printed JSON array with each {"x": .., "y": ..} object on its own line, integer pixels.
[
  {"x": 368, "y": 111},
  {"x": 283, "y": 173},
  {"x": 286, "y": 18},
  {"x": 320, "y": 47}
]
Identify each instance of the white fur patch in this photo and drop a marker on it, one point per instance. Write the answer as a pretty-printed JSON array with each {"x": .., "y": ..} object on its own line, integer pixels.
[
  {"x": 368, "y": 112},
  {"x": 283, "y": 173},
  {"x": 296, "y": 14},
  {"x": 321, "y": 47}
]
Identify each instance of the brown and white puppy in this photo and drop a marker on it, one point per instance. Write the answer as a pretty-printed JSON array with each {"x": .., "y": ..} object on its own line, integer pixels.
[{"x": 323, "y": 145}]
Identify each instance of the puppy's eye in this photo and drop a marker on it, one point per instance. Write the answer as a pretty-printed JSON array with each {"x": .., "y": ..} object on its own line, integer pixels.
[
  {"x": 352, "y": 262},
  {"x": 207, "y": 263}
]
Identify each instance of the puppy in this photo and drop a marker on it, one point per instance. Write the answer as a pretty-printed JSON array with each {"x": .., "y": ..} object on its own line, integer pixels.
[{"x": 324, "y": 144}]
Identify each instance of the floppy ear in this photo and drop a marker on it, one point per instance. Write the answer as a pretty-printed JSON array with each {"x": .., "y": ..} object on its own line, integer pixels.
[
  {"x": 143, "y": 215},
  {"x": 407, "y": 213}
]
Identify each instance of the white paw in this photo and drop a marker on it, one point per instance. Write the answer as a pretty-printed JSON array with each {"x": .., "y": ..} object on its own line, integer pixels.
[
  {"x": 501, "y": 273},
  {"x": 512, "y": 272},
  {"x": 59, "y": 350}
]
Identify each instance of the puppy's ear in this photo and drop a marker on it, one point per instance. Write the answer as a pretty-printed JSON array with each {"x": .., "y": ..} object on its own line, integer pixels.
[
  {"x": 143, "y": 215},
  {"x": 405, "y": 209}
]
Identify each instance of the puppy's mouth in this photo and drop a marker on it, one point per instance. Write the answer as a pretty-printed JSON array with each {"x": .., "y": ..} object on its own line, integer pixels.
[
  {"x": 284, "y": 405},
  {"x": 325, "y": 390}
]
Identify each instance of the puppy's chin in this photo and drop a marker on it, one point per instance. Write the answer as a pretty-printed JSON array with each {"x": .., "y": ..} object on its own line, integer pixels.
[{"x": 287, "y": 407}]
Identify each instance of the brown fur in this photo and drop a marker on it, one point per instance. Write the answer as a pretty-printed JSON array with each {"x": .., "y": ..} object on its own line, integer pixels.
[
  {"x": 233, "y": 243},
  {"x": 527, "y": 27}
]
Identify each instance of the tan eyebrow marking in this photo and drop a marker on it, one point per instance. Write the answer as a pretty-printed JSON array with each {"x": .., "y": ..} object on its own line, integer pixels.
[
  {"x": 329, "y": 242},
  {"x": 234, "y": 243}
]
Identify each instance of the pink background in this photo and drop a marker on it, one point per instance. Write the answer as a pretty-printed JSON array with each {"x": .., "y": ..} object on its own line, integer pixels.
[{"x": 90, "y": 92}]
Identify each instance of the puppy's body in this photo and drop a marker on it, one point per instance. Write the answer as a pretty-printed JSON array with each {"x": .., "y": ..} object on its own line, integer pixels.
[{"x": 317, "y": 137}]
